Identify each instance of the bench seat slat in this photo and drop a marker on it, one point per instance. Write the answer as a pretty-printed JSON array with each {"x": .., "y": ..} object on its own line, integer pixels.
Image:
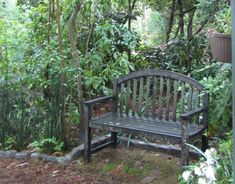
[{"x": 118, "y": 122}]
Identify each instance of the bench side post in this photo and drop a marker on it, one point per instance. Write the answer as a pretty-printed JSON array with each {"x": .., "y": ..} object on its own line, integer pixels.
[
  {"x": 184, "y": 140},
  {"x": 115, "y": 94},
  {"x": 114, "y": 110},
  {"x": 205, "y": 121},
  {"x": 87, "y": 143}
]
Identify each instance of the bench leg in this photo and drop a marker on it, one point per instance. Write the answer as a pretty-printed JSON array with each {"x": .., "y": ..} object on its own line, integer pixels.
[
  {"x": 87, "y": 145},
  {"x": 114, "y": 139},
  {"x": 204, "y": 143},
  {"x": 184, "y": 140},
  {"x": 184, "y": 153}
]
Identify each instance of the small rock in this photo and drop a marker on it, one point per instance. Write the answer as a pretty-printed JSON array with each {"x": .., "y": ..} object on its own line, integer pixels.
[
  {"x": 48, "y": 158},
  {"x": 2, "y": 154},
  {"x": 62, "y": 160},
  {"x": 75, "y": 152},
  {"x": 69, "y": 157},
  {"x": 23, "y": 155},
  {"x": 36, "y": 155},
  {"x": 10, "y": 154}
]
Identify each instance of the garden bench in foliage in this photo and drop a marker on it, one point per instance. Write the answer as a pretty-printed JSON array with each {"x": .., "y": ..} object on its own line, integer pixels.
[{"x": 153, "y": 102}]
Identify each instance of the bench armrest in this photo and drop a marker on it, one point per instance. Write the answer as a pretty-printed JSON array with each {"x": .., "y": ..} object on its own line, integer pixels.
[
  {"x": 98, "y": 100},
  {"x": 189, "y": 114}
]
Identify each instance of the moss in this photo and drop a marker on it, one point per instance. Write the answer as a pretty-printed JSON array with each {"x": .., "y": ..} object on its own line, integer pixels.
[
  {"x": 132, "y": 170},
  {"x": 108, "y": 167}
]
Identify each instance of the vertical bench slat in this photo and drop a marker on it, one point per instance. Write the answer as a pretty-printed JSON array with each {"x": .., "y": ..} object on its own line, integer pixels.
[
  {"x": 197, "y": 104},
  {"x": 182, "y": 98},
  {"x": 190, "y": 95},
  {"x": 134, "y": 96},
  {"x": 128, "y": 96},
  {"x": 147, "y": 97},
  {"x": 175, "y": 100},
  {"x": 168, "y": 96},
  {"x": 115, "y": 93},
  {"x": 161, "y": 97},
  {"x": 141, "y": 91},
  {"x": 122, "y": 98},
  {"x": 154, "y": 96},
  {"x": 205, "y": 100}
]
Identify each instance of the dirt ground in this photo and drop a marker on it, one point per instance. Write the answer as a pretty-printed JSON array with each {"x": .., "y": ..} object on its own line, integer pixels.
[{"x": 116, "y": 166}]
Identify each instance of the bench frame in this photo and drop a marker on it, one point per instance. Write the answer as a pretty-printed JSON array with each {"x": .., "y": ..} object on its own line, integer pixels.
[{"x": 185, "y": 117}]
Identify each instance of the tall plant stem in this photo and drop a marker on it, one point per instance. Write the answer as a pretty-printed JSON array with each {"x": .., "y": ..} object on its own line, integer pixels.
[
  {"x": 73, "y": 45},
  {"x": 63, "y": 76}
]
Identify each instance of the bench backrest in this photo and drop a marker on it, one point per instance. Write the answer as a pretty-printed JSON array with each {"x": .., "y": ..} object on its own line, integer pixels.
[{"x": 158, "y": 94}]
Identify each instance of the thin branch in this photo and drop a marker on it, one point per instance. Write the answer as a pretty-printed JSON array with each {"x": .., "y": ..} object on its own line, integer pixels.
[
  {"x": 189, "y": 10},
  {"x": 202, "y": 26}
]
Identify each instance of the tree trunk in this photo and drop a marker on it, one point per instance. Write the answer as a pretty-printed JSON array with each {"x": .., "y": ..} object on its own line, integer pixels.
[
  {"x": 73, "y": 45},
  {"x": 181, "y": 17},
  {"x": 129, "y": 27},
  {"x": 131, "y": 8},
  {"x": 46, "y": 91},
  {"x": 62, "y": 78},
  {"x": 171, "y": 20}
]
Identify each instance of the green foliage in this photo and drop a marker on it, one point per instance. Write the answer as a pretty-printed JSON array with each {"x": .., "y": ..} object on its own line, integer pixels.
[
  {"x": 215, "y": 12},
  {"x": 49, "y": 145},
  {"x": 9, "y": 144},
  {"x": 223, "y": 20},
  {"x": 206, "y": 9},
  {"x": 109, "y": 166},
  {"x": 220, "y": 89},
  {"x": 31, "y": 70},
  {"x": 156, "y": 28},
  {"x": 132, "y": 170},
  {"x": 108, "y": 59},
  {"x": 179, "y": 55},
  {"x": 225, "y": 172}
]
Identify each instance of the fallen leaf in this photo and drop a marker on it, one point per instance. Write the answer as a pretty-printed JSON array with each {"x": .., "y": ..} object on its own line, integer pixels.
[{"x": 11, "y": 165}]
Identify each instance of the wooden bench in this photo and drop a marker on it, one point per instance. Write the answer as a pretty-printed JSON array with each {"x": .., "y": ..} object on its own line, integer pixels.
[{"x": 153, "y": 102}]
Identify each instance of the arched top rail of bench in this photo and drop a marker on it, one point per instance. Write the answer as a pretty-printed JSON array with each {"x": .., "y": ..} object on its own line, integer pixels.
[{"x": 161, "y": 73}]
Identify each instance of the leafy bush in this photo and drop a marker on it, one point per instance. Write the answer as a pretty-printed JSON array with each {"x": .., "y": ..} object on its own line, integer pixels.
[
  {"x": 223, "y": 20},
  {"x": 220, "y": 89},
  {"x": 48, "y": 145},
  {"x": 108, "y": 59},
  {"x": 178, "y": 55}
]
